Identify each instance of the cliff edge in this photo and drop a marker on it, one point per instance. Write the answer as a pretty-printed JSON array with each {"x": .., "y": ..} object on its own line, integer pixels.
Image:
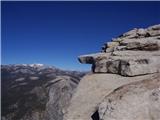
[{"x": 125, "y": 83}]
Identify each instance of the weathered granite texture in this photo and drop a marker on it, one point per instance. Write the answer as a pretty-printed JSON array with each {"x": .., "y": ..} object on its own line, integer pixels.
[
  {"x": 133, "y": 53},
  {"x": 92, "y": 91},
  {"x": 135, "y": 101},
  {"x": 125, "y": 80}
]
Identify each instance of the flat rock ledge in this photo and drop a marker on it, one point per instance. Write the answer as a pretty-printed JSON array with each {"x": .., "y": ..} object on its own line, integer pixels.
[
  {"x": 136, "y": 52},
  {"x": 128, "y": 87}
]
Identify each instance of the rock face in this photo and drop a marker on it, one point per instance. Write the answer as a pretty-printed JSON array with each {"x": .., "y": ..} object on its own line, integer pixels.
[
  {"x": 36, "y": 92},
  {"x": 136, "y": 101},
  {"x": 92, "y": 90},
  {"x": 136, "y": 52},
  {"x": 125, "y": 83}
]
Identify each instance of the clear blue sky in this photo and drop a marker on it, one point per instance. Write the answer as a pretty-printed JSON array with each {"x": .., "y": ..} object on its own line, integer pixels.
[{"x": 55, "y": 33}]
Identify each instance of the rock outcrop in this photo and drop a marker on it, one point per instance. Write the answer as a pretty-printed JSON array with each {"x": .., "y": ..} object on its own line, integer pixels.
[
  {"x": 125, "y": 83},
  {"x": 135, "y": 101},
  {"x": 92, "y": 90},
  {"x": 136, "y": 52}
]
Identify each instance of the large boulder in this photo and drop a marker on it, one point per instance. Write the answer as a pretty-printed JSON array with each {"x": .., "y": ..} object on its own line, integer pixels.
[
  {"x": 135, "y": 101},
  {"x": 127, "y": 63},
  {"x": 93, "y": 90},
  {"x": 147, "y": 44}
]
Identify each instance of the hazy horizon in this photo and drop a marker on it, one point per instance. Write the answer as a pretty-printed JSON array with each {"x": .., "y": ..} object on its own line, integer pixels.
[{"x": 56, "y": 33}]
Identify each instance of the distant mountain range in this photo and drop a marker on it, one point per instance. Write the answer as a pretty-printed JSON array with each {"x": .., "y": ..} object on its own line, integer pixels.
[{"x": 36, "y": 91}]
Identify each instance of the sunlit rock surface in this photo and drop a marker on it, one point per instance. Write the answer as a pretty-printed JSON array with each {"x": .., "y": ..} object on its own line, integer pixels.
[{"x": 125, "y": 80}]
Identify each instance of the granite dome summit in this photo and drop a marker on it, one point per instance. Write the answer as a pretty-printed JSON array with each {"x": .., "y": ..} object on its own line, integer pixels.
[{"x": 125, "y": 82}]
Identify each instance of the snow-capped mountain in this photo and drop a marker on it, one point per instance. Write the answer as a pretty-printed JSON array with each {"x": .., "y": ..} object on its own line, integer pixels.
[{"x": 36, "y": 91}]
